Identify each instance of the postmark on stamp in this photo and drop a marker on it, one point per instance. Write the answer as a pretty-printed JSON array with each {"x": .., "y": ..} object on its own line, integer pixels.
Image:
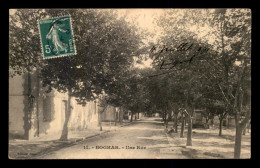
[{"x": 56, "y": 37}]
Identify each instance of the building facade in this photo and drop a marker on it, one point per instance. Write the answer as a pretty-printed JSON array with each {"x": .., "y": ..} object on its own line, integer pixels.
[{"x": 43, "y": 114}]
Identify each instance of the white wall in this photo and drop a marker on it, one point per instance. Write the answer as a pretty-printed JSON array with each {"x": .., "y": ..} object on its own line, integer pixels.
[
  {"x": 81, "y": 118},
  {"x": 16, "y": 105}
]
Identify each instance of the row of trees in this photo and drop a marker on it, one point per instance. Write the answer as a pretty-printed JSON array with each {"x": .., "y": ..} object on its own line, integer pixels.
[
  {"x": 209, "y": 72},
  {"x": 106, "y": 46}
]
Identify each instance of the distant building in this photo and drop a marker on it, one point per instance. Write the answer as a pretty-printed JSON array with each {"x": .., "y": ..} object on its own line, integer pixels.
[
  {"x": 109, "y": 114},
  {"x": 156, "y": 115},
  {"x": 199, "y": 119}
]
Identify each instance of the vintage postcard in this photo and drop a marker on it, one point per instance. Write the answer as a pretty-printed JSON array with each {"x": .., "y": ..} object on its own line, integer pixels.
[{"x": 129, "y": 84}]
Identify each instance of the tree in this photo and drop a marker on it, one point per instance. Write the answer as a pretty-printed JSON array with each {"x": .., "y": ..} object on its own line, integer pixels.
[
  {"x": 226, "y": 66},
  {"x": 105, "y": 50},
  {"x": 233, "y": 30},
  {"x": 208, "y": 113},
  {"x": 214, "y": 103},
  {"x": 129, "y": 93},
  {"x": 180, "y": 59},
  {"x": 228, "y": 63}
]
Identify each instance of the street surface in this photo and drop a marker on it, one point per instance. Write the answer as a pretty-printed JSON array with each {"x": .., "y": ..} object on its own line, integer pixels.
[{"x": 142, "y": 139}]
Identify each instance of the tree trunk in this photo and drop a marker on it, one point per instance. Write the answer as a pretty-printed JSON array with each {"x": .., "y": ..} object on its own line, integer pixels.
[
  {"x": 131, "y": 116},
  {"x": 27, "y": 115},
  {"x": 99, "y": 120},
  {"x": 207, "y": 123},
  {"x": 212, "y": 121},
  {"x": 240, "y": 126},
  {"x": 175, "y": 122},
  {"x": 120, "y": 115},
  {"x": 64, "y": 134},
  {"x": 220, "y": 126},
  {"x": 163, "y": 116},
  {"x": 37, "y": 103},
  {"x": 182, "y": 126},
  {"x": 244, "y": 130},
  {"x": 138, "y": 116},
  {"x": 238, "y": 140},
  {"x": 189, "y": 134},
  {"x": 115, "y": 117},
  {"x": 165, "y": 121},
  {"x": 228, "y": 122},
  {"x": 207, "y": 120}
]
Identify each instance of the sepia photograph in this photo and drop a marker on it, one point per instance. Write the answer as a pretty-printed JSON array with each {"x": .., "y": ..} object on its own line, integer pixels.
[{"x": 129, "y": 83}]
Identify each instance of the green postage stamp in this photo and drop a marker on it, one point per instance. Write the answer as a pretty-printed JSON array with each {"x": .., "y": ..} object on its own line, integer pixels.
[{"x": 56, "y": 37}]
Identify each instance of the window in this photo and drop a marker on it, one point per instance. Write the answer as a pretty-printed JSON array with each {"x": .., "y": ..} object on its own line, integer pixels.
[{"x": 47, "y": 109}]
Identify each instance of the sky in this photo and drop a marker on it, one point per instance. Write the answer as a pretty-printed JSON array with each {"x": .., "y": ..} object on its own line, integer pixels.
[{"x": 144, "y": 19}]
